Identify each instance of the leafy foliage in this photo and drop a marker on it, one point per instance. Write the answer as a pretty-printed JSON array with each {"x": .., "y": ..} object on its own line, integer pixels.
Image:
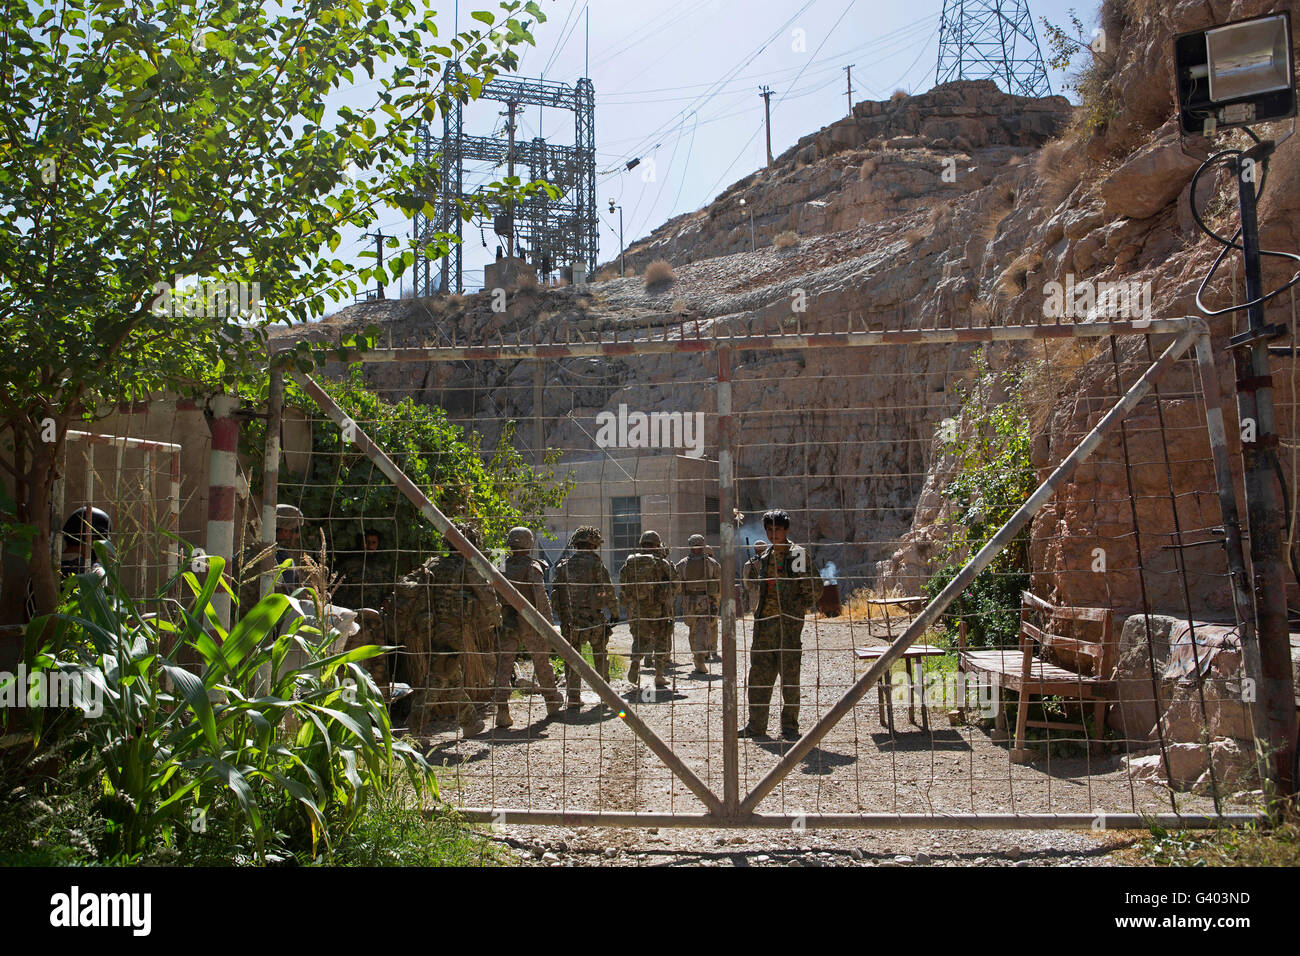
[
  {"x": 272, "y": 738},
  {"x": 1093, "y": 83},
  {"x": 994, "y": 476},
  {"x": 494, "y": 491},
  {"x": 164, "y": 139}
]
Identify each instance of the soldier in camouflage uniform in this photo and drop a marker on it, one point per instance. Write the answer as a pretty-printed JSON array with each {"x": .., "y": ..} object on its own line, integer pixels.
[
  {"x": 582, "y": 591},
  {"x": 788, "y": 586},
  {"x": 368, "y": 574},
  {"x": 525, "y": 572},
  {"x": 701, "y": 579},
  {"x": 444, "y": 614},
  {"x": 648, "y": 585}
]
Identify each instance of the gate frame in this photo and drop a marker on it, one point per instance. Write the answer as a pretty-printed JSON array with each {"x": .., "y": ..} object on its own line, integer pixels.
[{"x": 1192, "y": 333}]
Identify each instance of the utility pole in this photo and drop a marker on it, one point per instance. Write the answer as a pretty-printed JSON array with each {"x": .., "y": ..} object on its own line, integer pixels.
[
  {"x": 1264, "y": 507},
  {"x": 379, "y": 257},
  {"x": 766, "y": 93},
  {"x": 612, "y": 207},
  {"x": 849, "y": 70}
]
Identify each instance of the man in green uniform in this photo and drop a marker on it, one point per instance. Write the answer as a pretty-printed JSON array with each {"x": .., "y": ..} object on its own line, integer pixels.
[{"x": 788, "y": 586}]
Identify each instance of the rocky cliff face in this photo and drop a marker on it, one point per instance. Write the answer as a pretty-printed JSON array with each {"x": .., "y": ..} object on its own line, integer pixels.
[
  {"x": 886, "y": 160},
  {"x": 953, "y": 208}
]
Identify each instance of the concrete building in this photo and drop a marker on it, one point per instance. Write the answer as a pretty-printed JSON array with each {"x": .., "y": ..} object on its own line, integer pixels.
[{"x": 625, "y": 494}]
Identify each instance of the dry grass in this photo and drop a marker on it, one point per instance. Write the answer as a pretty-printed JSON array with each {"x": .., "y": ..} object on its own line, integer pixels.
[
  {"x": 784, "y": 240},
  {"x": 606, "y": 274},
  {"x": 899, "y": 96},
  {"x": 914, "y": 237},
  {"x": 1044, "y": 382},
  {"x": 680, "y": 306},
  {"x": 1013, "y": 280},
  {"x": 1060, "y": 169},
  {"x": 659, "y": 273},
  {"x": 859, "y": 606},
  {"x": 527, "y": 282}
]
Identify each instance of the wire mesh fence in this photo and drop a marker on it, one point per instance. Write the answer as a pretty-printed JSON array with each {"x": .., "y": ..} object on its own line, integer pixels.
[{"x": 899, "y": 640}]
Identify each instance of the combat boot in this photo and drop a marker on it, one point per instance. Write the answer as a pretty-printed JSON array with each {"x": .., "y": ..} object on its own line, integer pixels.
[
  {"x": 634, "y": 670},
  {"x": 503, "y": 718},
  {"x": 473, "y": 727},
  {"x": 701, "y": 664},
  {"x": 660, "y": 680}
]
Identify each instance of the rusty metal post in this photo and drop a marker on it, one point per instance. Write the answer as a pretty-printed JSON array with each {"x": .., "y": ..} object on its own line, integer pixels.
[
  {"x": 1004, "y": 536},
  {"x": 727, "y": 545},
  {"x": 1264, "y": 510},
  {"x": 1232, "y": 538},
  {"x": 512, "y": 597},
  {"x": 271, "y": 474}
]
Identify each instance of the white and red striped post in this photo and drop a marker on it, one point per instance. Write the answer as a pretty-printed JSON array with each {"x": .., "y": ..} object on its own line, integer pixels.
[{"x": 221, "y": 491}]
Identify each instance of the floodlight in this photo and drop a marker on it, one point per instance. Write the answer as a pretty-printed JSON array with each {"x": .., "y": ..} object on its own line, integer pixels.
[{"x": 1238, "y": 74}]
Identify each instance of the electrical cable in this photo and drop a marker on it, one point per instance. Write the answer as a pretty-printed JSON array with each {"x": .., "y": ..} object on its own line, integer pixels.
[{"x": 1222, "y": 158}]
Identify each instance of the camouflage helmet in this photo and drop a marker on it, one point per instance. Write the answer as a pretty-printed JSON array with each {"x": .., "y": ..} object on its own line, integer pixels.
[
  {"x": 586, "y": 536},
  {"x": 695, "y": 541},
  {"x": 650, "y": 539},
  {"x": 520, "y": 539}
]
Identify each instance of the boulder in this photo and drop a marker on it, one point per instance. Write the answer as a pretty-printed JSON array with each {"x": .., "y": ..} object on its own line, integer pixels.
[{"x": 1149, "y": 181}]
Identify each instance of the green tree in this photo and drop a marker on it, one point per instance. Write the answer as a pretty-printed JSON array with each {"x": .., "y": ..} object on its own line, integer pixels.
[
  {"x": 994, "y": 476},
  {"x": 157, "y": 139}
]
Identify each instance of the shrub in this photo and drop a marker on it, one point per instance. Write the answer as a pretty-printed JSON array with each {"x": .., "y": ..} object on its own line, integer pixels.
[
  {"x": 659, "y": 273},
  {"x": 281, "y": 755},
  {"x": 899, "y": 96},
  {"x": 990, "y": 441},
  {"x": 527, "y": 281},
  {"x": 784, "y": 240}
]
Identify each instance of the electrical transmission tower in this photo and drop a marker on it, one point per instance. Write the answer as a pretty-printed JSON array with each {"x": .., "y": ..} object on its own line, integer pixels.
[
  {"x": 992, "y": 39},
  {"x": 551, "y": 233}
]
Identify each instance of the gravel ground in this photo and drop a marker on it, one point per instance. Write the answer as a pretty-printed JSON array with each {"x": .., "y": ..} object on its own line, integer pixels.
[{"x": 591, "y": 761}]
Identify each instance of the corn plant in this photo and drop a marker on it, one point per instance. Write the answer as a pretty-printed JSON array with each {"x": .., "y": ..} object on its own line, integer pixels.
[{"x": 239, "y": 735}]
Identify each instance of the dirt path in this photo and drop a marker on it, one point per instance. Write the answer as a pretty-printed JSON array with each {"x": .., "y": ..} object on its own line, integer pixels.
[{"x": 592, "y": 761}]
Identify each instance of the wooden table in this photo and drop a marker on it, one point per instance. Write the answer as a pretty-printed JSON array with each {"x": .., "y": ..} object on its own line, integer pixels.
[{"x": 884, "y": 689}]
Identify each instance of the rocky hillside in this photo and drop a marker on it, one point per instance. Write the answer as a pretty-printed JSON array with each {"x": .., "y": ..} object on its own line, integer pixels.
[{"x": 946, "y": 209}]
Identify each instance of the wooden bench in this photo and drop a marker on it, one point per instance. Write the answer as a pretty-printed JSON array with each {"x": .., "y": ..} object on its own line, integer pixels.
[{"x": 1050, "y": 664}]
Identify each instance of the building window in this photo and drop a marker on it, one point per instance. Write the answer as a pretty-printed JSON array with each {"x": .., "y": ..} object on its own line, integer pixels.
[
  {"x": 625, "y": 521},
  {"x": 712, "y": 526}
]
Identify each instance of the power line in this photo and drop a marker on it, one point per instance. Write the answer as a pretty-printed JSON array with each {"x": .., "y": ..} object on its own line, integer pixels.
[
  {"x": 711, "y": 192},
  {"x": 667, "y": 126}
]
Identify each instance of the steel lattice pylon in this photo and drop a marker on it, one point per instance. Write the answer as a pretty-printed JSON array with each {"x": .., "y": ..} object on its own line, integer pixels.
[
  {"x": 554, "y": 232},
  {"x": 992, "y": 39}
]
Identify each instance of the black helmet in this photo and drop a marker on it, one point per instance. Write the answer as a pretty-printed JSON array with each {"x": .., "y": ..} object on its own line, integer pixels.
[
  {"x": 776, "y": 518},
  {"x": 86, "y": 522}
]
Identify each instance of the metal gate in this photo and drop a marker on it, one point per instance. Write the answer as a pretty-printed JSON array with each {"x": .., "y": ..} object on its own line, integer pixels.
[{"x": 646, "y": 759}]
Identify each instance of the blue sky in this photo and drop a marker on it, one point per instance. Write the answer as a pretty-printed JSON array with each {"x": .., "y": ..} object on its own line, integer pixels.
[{"x": 677, "y": 84}]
